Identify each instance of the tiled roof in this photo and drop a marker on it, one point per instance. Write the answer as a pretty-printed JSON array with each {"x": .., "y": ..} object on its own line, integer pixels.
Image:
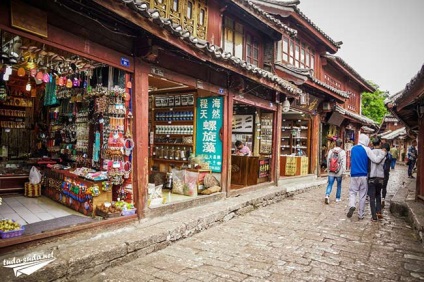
[
  {"x": 293, "y": 5},
  {"x": 360, "y": 118},
  {"x": 338, "y": 44},
  {"x": 309, "y": 74},
  {"x": 351, "y": 70},
  {"x": 393, "y": 134},
  {"x": 268, "y": 16},
  {"x": 367, "y": 129},
  {"x": 142, "y": 7},
  {"x": 409, "y": 87}
]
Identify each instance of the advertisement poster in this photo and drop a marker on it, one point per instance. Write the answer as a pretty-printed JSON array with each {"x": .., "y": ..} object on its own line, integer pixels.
[{"x": 209, "y": 119}]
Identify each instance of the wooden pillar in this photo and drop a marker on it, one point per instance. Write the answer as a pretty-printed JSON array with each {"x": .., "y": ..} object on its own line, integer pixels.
[
  {"x": 141, "y": 135},
  {"x": 226, "y": 145},
  {"x": 420, "y": 160},
  {"x": 275, "y": 165},
  {"x": 227, "y": 136},
  {"x": 315, "y": 150}
]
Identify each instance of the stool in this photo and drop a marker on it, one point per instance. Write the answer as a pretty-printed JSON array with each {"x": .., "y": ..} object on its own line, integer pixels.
[{"x": 32, "y": 190}]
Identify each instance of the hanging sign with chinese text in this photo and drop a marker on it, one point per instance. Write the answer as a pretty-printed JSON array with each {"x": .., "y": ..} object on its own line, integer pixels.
[{"x": 209, "y": 119}]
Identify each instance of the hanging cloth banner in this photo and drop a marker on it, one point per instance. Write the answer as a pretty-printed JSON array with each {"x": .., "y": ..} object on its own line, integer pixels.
[{"x": 209, "y": 119}]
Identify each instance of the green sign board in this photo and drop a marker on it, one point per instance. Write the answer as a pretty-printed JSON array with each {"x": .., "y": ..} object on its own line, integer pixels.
[{"x": 209, "y": 119}]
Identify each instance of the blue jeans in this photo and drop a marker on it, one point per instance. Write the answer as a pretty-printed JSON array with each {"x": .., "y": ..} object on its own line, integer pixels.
[
  {"x": 393, "y": 163},
  {"x": 330, "y": 186}
]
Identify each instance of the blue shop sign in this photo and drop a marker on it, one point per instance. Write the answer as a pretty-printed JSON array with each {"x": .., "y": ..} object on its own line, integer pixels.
[
  {"x": 125, "y": 62},
  {"x": 209, "y": 120}
]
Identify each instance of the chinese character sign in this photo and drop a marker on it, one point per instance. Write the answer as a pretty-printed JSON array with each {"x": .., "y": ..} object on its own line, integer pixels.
[{"x": 209, "y": 117}]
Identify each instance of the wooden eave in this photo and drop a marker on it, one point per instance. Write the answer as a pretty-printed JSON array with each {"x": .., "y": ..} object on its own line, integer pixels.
[
  {"x": 349, "y": 74},
  {"x": 309, "y": 29},
  {"x": 413, "y": 96},
  {"x": 324, "y": 91},
  {"x": 259, "y": 22}
]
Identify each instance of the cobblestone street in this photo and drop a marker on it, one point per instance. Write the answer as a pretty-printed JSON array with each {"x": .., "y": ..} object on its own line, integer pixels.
[{"x": 298, "y": 239}]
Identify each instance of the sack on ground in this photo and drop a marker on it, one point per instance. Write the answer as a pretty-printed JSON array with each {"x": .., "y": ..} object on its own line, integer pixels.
[
  {"x": 34, "y": 176},
  {"x": 178, "y": 181},
  {"x": 334, "y": 165}
]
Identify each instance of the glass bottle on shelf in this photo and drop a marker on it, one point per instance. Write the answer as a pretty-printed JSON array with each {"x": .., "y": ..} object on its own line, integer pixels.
[
  {"x": 171, "y": 153},
  {"x": 165, "y": 152},
  {"x": 183, "y": 154},
  {"x": 177, "y": 153},
  {"x": 160, "y": 152}
]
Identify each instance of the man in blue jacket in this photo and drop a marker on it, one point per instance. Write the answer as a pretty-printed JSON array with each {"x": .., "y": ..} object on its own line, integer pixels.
[{"x": 359, "y": 174}]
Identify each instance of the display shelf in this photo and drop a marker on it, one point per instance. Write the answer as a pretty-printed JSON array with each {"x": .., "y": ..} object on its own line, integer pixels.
[
  {"x": 298, "y": 138},
  {"x": 172, "y": 121}
]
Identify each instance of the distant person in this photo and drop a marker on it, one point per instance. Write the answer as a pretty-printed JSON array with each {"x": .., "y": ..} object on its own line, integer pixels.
[
  {"x": 336, "y": 160},
  {"x": 359, "y": 174},
  {"x": 387, "y": 166},
  {"x": 395, "y": 155},
  {"x": 324, "y": 151},
  {"x": 241, "y": 149},
  {"x": 412, "y": 158},
  {"x": 376, "y": 180}
]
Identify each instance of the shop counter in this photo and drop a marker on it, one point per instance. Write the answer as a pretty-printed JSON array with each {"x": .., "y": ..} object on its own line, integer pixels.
[
  {"x": 74, "y": 197},
  {"x": 293, "y": 165},
  {"x": 247, "y": 171}
]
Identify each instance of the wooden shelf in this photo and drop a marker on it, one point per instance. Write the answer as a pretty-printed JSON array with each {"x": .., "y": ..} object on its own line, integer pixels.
[
  {"x": 173, "y": 108},
  {"x": 172, "y": 144},
  {"x": 178, "y": 122},
  {"x": 169, "y": 161}
]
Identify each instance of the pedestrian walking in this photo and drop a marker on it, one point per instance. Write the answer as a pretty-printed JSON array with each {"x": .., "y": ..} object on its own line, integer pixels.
[
  {"x": 412, "y": 158},
  {"x": 359, "y": 174},
  {"x": 395, "y": 155},
  {"x": 336, "y": 164},
  {"x": 387, "y": 166},
  {"x": 376, "y": 180}
]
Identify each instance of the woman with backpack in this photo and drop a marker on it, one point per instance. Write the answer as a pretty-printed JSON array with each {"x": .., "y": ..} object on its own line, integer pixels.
[{"x": 336, "y": 166}]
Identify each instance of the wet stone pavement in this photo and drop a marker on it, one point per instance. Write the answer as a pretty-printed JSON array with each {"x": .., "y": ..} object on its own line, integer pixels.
[{"x": 298, "y": 239}]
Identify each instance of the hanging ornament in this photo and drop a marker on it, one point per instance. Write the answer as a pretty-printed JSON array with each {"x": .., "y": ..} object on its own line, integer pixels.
[
  {"x": 21, "y": 72},
  {"x": 129, "y": 84},
  {"x": 69, "y": 83},
  {"x": 127, "y": 97}
]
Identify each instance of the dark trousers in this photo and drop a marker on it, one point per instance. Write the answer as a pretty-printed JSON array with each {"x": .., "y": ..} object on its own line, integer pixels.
[
  {"x": 411, "y": 167},
  {"x": 385, "y": 181},
  {"x": 375, "y": 185}
]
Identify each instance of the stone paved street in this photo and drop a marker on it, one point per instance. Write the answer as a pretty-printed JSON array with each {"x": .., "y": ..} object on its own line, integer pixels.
[{"x": 298, "y": 239}]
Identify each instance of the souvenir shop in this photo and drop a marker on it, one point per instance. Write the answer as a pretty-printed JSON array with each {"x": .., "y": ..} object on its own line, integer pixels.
[
  {"x": 253, "y": 122},
  {"x": 295, "y": 148},
  {"x": 71, "y": 118},
  {"x": 185, "y": 147}
]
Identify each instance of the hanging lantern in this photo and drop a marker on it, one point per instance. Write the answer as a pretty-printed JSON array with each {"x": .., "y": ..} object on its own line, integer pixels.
[
  {"x": 286, "y": 105},
  {"x": 127, "y": 97}
]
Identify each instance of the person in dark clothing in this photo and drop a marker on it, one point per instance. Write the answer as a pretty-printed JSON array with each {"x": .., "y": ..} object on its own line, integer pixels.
[
  {"x": 386, "y": 166},
  {"x": 412, "y": 158}
]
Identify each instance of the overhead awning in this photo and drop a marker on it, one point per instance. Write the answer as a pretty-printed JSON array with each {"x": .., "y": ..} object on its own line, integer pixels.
[
  {"x": 398, "y": 133},
  {"x": 356, "y": 117}
]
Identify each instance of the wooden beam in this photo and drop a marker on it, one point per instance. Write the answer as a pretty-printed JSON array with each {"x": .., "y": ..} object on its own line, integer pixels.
[{"x": 275, "y": 165}]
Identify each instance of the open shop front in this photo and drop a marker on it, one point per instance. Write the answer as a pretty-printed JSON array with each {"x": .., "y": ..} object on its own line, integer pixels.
[
  {"x": 252, "y": 142},
  {"x": 70, "y": 117},
  {"x": 295, "y": 148},
  {"x": 185, "y": 144}
]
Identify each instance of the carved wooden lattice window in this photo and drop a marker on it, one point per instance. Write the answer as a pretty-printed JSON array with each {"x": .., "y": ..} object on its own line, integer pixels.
[{"x": 192, "y": 15}]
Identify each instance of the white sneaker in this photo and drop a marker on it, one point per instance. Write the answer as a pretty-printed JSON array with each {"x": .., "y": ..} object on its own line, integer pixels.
[
  {"x": 338, "y": 200},
  {"x": 327, "y": 200}
]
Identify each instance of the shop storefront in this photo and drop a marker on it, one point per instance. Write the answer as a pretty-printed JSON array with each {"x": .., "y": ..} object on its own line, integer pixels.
[
  {"x": 253, "y": 126},
  {"x": 185, "y": 146},
  {"x": 295, "y": 144},
  {"x": 66, "y": 108}
]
